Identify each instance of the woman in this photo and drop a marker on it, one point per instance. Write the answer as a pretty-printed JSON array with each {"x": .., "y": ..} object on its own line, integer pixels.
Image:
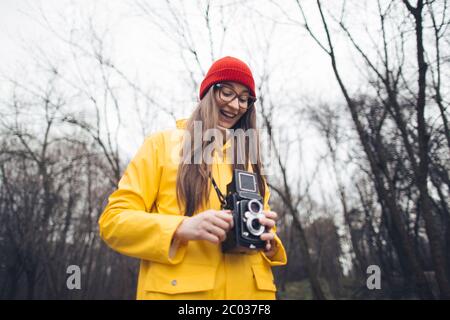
[{"x": 166, "y": 213}]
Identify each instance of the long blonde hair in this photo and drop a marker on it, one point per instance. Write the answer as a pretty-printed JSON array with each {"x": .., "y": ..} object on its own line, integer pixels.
[{"x": 193, "y": 179}]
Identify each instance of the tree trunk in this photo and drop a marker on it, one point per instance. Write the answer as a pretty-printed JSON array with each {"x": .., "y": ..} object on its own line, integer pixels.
[{"x": 431, "y": 227}]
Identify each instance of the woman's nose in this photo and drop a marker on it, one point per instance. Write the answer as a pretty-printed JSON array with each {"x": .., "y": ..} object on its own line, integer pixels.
[{"x": 234, "y": 104}]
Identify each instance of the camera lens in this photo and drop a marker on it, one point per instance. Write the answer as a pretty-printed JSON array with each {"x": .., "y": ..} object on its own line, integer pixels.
[
  {"x": 254, "y": 226},
  {"x": 255, "y": 206}
]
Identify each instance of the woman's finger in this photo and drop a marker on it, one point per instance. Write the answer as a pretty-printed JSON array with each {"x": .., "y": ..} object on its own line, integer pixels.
[
  {"x": 221, "y": 223},
  {"x": 271, "y": 215},
  {"x": 219, "y": 232},
  {"x": 269, "y": 223},
  {"x": 225, "y": 215},
  {"x": 210, "y": 237},
  {"x": 267, "y": 236}
]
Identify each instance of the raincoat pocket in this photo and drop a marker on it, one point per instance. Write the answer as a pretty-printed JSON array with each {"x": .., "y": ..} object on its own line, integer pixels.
[
  {"x": 264, "y": 278},
  {"x": 182, "y": 278}
]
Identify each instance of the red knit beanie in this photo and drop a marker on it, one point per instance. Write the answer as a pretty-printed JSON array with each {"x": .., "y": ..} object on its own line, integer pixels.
[{"x": 228, "y": 69}]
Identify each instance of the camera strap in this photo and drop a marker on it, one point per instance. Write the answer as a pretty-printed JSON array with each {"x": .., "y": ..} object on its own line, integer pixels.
[{"x": 220, "y": 195}]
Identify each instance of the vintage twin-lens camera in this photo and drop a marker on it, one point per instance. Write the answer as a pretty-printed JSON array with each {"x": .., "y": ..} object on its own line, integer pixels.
[{"x": 245, "y": 202}]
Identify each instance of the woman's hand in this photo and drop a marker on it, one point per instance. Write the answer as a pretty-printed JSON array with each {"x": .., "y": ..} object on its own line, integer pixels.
[
  {"x": 210, "y": 225},
  {"x": 269, "y": 222}
]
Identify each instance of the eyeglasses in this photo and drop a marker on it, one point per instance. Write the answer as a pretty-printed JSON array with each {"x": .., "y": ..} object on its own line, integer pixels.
[{"x": 228, "y": 94}]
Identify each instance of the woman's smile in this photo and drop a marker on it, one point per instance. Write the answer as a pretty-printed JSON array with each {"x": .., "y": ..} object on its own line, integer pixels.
[{"x": 227, "y": 118}]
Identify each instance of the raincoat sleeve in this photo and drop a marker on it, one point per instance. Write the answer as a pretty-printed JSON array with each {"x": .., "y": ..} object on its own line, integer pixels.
[
  {"x": 279, "y": 258},
  {"x": 127, "y": 225}
]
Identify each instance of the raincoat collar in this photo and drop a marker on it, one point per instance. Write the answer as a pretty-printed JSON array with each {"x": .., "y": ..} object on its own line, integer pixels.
[{"x": 181, "y": 123}]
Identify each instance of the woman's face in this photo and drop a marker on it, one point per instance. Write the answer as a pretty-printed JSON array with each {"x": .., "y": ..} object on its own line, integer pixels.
[{"x": 231, "y": 112}]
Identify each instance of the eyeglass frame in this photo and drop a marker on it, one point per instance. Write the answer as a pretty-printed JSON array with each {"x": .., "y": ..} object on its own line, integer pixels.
[{"x": 236, "y": 95}]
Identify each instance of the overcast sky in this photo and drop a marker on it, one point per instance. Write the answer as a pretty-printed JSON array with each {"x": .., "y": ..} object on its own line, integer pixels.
[{"x": 138, "y": 45}]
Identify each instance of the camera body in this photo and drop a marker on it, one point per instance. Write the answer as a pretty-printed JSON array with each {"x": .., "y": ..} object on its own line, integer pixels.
[{"x": 245, "y": 203}]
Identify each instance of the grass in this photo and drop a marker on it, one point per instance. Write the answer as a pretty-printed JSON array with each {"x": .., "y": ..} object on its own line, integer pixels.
[{"x": 301, "y": 290}]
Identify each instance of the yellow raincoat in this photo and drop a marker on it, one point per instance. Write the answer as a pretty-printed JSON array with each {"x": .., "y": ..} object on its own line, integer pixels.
[{"x": 142, "y": 216}]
